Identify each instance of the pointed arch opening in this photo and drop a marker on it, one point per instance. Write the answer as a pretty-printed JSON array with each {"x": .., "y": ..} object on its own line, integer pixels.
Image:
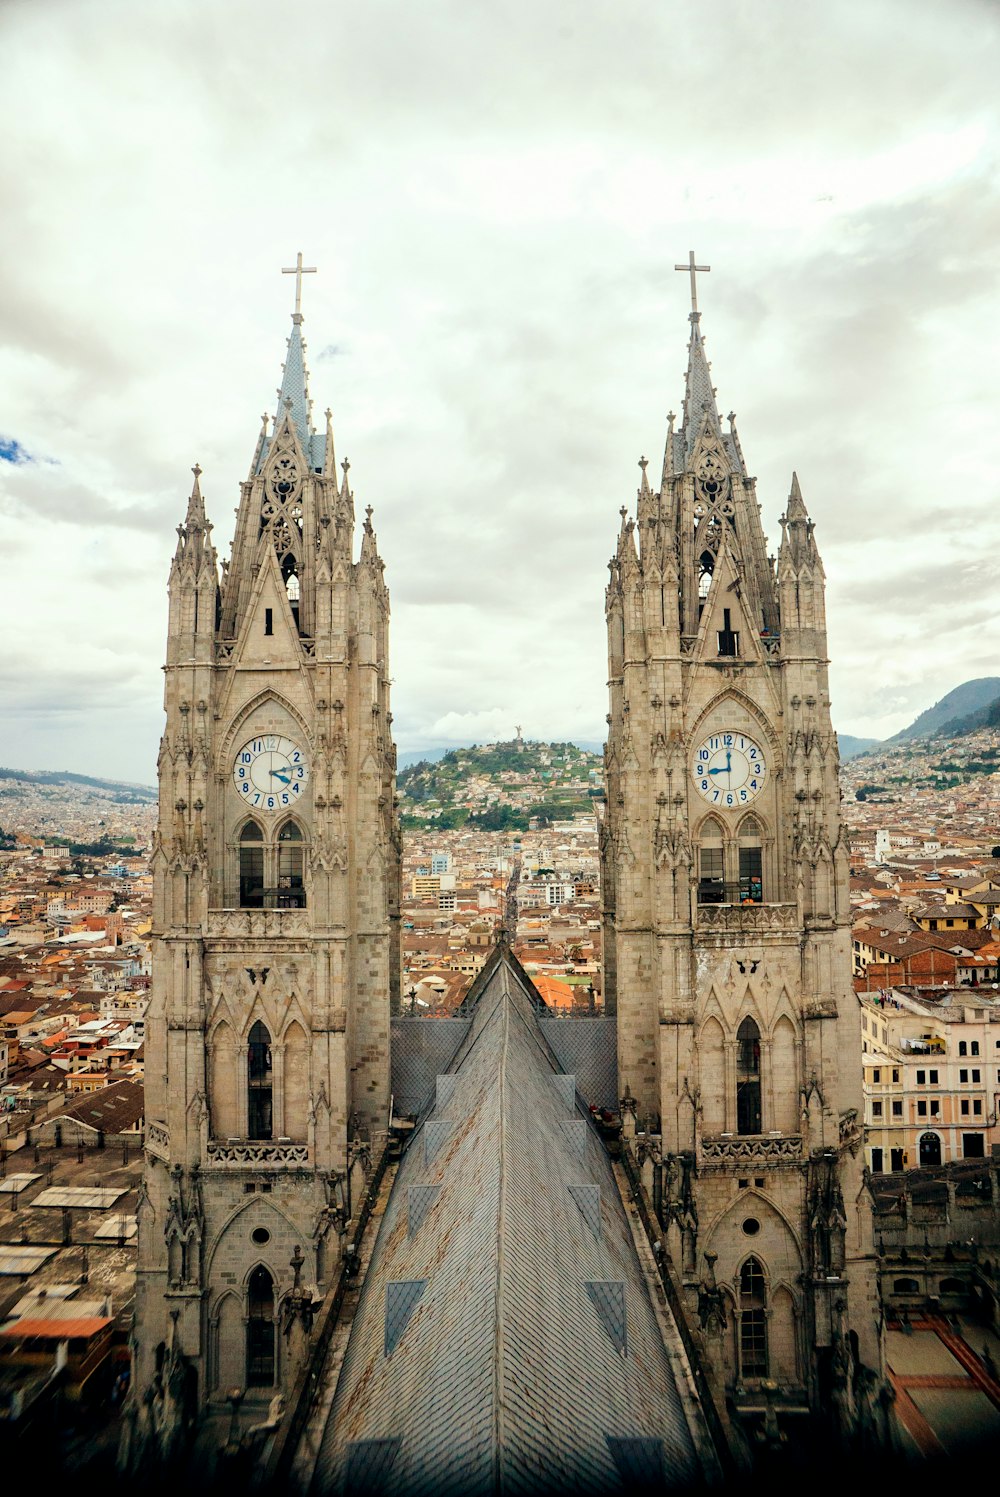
[
  {"x": 290, "y": 577},
  {"x": 751, "y": 861},
  {"x": 753, "y": 1320},
  {"x": 748, "y": 1077},
  {"x": 291, "y": 893},
  {"x": 260, "y": 1083},
  {"x": 251, "y": 847},
  {"x": 711, "y": 863},
  {"x": 296, "y": 1083},
  {"x": 260, "y": 1329},
  {"x": 223, "y": 1075}
]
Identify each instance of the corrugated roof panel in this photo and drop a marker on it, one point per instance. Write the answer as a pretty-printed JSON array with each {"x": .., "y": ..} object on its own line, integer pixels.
[
  {"x": 419, "y": 1200},
  {"x": 401, "y": 1299},
  {"x": 565, "y": 1087},
  {"x": 444, "y": 1087},
  {"x": 641, "y": 1462},
  {"x": 368, "y": 1464},
  {"x": 435, "y": 1136},
  {"x": 588, "y": 1198},
  {"x": 608, "y": 1298}
]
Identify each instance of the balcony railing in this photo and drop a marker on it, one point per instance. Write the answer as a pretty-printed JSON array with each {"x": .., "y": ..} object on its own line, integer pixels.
[
  {"x": 763, "y": 1148},
  {"x": 270, "y": 1153},
  {"x": 258, "y": 922}
]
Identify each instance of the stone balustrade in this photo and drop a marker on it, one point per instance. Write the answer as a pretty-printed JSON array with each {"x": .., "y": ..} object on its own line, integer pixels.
[
  {"x": 749, "y": 918},
  {"x": 762, "y": 1149},
  {"x": 241, "y": 924},
  {"x": 260, "y": 1153}
]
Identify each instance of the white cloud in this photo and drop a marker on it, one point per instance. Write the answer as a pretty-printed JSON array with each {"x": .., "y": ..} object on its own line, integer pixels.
[{"x": 495, "y": 198}]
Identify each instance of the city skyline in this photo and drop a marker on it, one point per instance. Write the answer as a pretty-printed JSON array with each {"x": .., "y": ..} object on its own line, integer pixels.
[{"x": 498, "y": 329}]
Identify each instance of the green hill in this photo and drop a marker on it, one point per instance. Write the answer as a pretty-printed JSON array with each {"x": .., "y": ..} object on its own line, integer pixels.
[{"x": 500, "y": 786}]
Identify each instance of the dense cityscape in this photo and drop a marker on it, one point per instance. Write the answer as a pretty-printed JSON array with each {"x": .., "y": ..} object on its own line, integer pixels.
[{"x": 75, "y": 922}]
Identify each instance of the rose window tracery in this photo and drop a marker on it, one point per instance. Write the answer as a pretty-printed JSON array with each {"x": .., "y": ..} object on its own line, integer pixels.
[{"x": 283, "y": 480}]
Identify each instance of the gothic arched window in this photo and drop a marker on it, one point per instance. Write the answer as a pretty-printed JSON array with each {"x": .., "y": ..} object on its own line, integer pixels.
[
  {"x": 291, "y": 892},
  {"x": 753, "y": 1320},
  {"x": 260, "y": 1089},
  {"x": 260, "y": 1329},
  {"x": 711, "y": 864},
  {"x": 748, "y": 1119},
  {"x": 751, "y": 862},
  {"x": 251, "y": 867}
]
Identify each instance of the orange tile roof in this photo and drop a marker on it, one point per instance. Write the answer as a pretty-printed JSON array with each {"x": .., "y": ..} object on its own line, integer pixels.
[{"x": 60, "y": 1330}]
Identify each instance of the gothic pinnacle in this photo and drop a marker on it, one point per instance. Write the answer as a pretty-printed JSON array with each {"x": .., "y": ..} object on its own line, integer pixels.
[{"x": 795, "y": 509}]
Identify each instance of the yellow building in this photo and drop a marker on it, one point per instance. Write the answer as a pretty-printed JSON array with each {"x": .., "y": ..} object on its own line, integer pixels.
[{"x": 931, "y": 1077}]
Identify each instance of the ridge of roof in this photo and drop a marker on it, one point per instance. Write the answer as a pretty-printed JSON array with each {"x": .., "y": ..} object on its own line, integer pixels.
[{"x": 524, "y": 1305}]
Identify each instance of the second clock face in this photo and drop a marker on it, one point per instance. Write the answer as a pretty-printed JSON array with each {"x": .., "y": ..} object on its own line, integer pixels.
[
  {"x": 729, "y": 770},
  {"x": 270, "y": 773}
]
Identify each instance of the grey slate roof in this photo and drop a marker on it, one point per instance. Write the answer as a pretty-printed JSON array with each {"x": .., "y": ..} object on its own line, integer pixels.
[
  {"x": 699, "y": 397},
  {"x": 423, "y": 1048},
  {"x": 532, "y": 1357},
  {"x": 295, "y": 388}
]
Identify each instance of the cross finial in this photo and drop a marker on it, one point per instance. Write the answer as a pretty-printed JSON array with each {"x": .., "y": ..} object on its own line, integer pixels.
[
  {"x": 298, "y": 270},
  {"x": 692, "y": 270},
  {"x": 643, "y": 461}
]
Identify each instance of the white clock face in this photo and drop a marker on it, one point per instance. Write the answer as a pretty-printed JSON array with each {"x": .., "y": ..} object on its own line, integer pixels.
[
  {"x": 729, "y": 770},
  {"x": 270, "y": 773}
]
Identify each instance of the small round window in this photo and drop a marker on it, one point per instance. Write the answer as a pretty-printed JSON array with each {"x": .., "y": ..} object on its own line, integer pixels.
[
  {"x": 751, "y": 1226},
  {"x": 260, "y": 1235}
]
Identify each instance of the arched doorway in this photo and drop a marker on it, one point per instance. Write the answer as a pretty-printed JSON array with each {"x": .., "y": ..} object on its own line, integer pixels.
[{"x": 930, "y": 1149}]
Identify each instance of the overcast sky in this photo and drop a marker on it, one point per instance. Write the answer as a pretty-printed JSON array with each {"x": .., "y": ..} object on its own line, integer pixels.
[{"x": 495, "y": 196}]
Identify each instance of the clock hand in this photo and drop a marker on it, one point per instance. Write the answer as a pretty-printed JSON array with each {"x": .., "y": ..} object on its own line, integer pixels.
[
  {"x": 723, "y": 769},
  {"x": 284, "y": 778}
]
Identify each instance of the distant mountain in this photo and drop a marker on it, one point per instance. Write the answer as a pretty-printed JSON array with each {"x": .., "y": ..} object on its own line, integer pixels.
[
  {"x": 118, "y": 790},
  {"x": 850, "y": 747},
  {"x": 985, "y": 717},
  {"x": 964, "y": 702},
  {"x": 421, "y": 756}
]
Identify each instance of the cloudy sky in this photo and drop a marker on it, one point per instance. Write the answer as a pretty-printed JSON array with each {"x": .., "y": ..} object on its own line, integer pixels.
[{"x": 495, "y": 196}]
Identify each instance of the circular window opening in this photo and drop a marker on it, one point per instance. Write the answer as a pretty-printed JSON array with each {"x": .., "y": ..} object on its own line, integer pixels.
[
  {"x": 260, "y": 1235},
  {"x": 751, "y": 1226}
]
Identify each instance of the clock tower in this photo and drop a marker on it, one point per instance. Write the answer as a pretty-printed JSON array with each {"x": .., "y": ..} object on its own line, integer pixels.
[
  {"x": 275, "y": 954},
  {"x": 728, "y": 927}
]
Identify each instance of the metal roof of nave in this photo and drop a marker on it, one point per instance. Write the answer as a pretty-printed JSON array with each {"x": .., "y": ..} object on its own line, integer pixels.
[{"x": 505, "y": 1337}]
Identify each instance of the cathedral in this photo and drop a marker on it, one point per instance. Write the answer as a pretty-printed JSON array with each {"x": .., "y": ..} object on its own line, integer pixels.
[{"x": 382, "y": 1253}]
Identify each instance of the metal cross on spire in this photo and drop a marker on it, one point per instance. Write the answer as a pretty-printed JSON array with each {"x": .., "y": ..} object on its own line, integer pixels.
[
  {"x": 692, "y": 270},
  {"x": 298, "y": 270}
]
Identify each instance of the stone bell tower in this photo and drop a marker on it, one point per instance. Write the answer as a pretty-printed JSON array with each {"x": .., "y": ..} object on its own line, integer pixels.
[
  {"x": 728, "y": 925},
  {"x": 276, "y": 882}
]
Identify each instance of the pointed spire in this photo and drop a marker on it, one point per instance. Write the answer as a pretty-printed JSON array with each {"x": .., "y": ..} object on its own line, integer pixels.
[
  {"x": 293, "y": 395},
  {"x": 668, "y": 451},
  {"x": 195, "y": 517},
  {"x": 699, "y": 394},
  {"x": 329, "y": 455},
  {"x": 644, "y": 490},
  {"x": 795, "y": 509}
]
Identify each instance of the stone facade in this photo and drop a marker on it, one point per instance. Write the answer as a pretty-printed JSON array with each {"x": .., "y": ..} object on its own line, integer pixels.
[
  {"x": 728, "y": 926},
  {"x": 276, "y": 878}
]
